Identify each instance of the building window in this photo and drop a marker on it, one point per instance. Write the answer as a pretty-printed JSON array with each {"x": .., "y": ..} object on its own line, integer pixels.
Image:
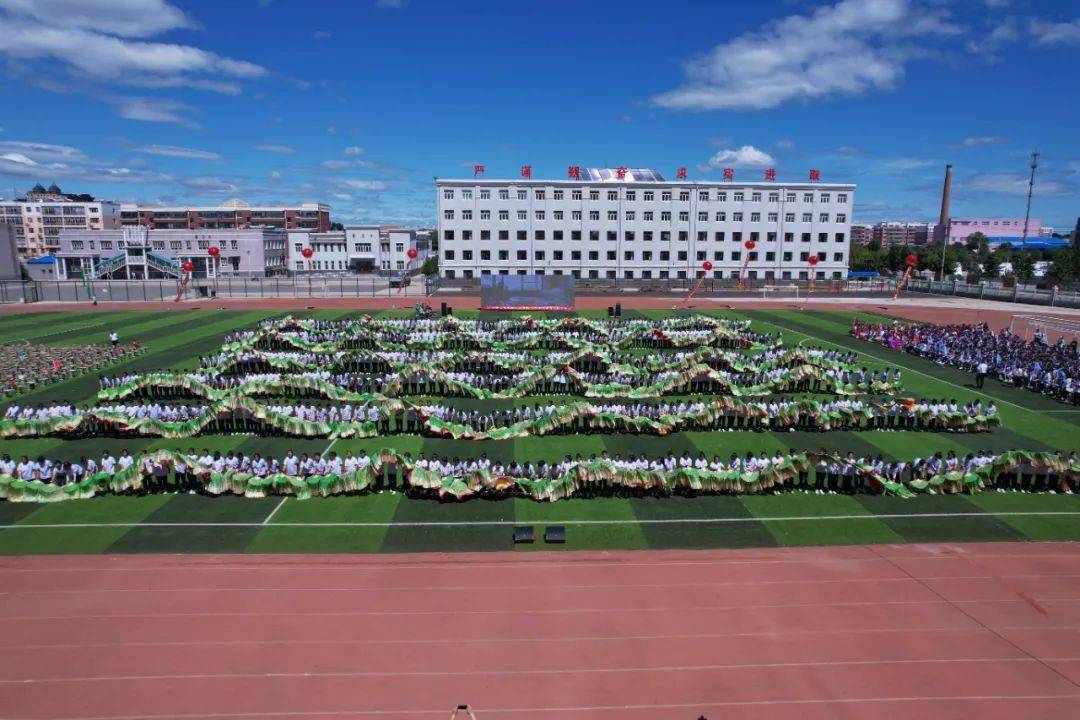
[
  {"x": 665, "y": 236},
  {"x": 485, "y": 194},
  {"x": 646, "y": 255},
  {"x": 718, "y": 237},
  {"x": 539, "y": 214},
  {"x": 839, "y": 237},
  {"x": 789, "y": 217},
  {"x": 648, "y": 215},
  {"x": 538, "y": 194},
  {"x": 824, "y": 197},
  {"x": 466, "y": 194},
  {"x": 630, "y": 215},
  {"x": 736, "y": 217},
  {"x": 737, "y": 197},
  {"x": 774, "y": 197},
  {"x": 823, "y": 237},
  {"x": 721, "y": 216},
  {"x": 522, "y": 215},
  {"x": 646, "y": 235},
  {"x": 448, "y": 254},
  {"x": 504, "y": 254},
  {"x": 594, "y": 195},
  {"x": 557, "y": 194},
  {"x": 538, "y": 234},
  {"x": 466, "y": 254},
  {"x": 774, "y": 217},
  {"x": 841, "y": 218},
  {"x": 631, "y": 195},
  {"x": 808, "y": 197},
  {"x": 823, "y": 217},
  {"x": 522, "y": 254},
  {"x": 504, "y": 194},
  {"x": 684, "y": 195},
  {"x": 539, "y": 255},
  {"x": 575, "y": 194},
  {"x": 485, "y": 254},
  {"x": 575, "y": 234},
  {"x": 504, "y": 234},
  {"x": 790, "y": 197},
  {"x": 649, "y": 196},
  {"x": 808, "y": 217},
  {"x": 448, "y": 214},
  {"x": 665, "y": 216},
  {"x": 447, "y": 194},
  {"x": 485, "y": 214},
  {"x": 558, "y": 254},
  {"x": 665, "y": 196},
  {"x": 613, "y": 195},
  {"x": 703, "y": 217},
  {"x": 466, "y": 214},
  {"x": 755, "y": 197},
  {"x": 684, "y": 216},
  {"x": 755, "y": 217},
  {"x": 522, "y": 194},
  {"x": 841, "y": 198},
  {"x": 612, "y": 215},
  {"x": 594, "y": 255},
  {"x": 522, "y": 235},
  {"x": 594, "y": 235}
]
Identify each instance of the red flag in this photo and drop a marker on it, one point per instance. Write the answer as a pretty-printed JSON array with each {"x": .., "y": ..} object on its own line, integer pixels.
[
  {"x": 526, "y": 171},
  {"x": 477, "y": 170},
  {"x": 729, "y": 173},
  {"x": 680, "y": 174},
  {"x": 770, "y": 174},
  {"x": 620, "y": 172},
  {"x": 815, "y": 174},
  {"x": 573, "y": 172}
]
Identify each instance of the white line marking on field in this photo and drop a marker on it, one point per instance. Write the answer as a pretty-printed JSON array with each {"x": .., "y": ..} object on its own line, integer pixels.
[
  {"x": 488, "y": 672},
  {"x": 507, "y": 523},
  {"x": 273, "y": 512}
]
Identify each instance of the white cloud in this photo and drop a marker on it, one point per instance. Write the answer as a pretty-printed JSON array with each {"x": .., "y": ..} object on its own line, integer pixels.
[
  {"x": 342, "y": 164},
  {"x": 341, "y": 196},
  {"x": 127, "y": 18},
  {"x": 849, "y": 150},
  {"x": 1015, "y": 184},
  {"x": 282, "y": 149},
  {"x": 320, "y": 34},
  {"x": 785, "y": 144},
  {"x": 354, "y": 150},
  {"x": 746, "y": 156},
  {"x": 19, "y": 159},
  {"x": 45, "y": 152},
  {"x": 981, "y": 140},
  {"x": 363, "y": 184},
  {"x": 177, "y": 151},
  {"x": 154, "y": 110},
  {"x": 102, "y": 40},
  {"x": 1054, "y": 33},
  {"x": 842, "y": 49},
  {"x": 275, "y": 174},
  {"x": 906, "y": 164},
  {"x": 391, "y": 3}
]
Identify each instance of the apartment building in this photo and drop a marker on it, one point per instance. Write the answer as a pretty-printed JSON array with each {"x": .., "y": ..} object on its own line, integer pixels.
[
  {"x": 39, "y": 217},
  {"x": 231, "y": 215}
]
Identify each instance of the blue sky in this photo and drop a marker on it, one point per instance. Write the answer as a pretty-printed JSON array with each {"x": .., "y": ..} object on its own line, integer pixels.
[{"x": 360, "y": 103}]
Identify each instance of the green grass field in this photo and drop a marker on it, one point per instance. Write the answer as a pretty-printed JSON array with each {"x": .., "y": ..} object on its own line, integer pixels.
[{"x": 389, "y": 522}]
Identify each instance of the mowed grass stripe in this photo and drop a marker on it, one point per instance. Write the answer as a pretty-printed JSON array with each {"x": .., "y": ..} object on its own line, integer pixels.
[
  {"x": 1044, "y": 527},
  {"x": 33, "y": 325},
  {"x": 854, "y": 531},
  {"x": 1037, "y": 430},
  {"x": 79, "y": 540},
  {"x": 379, "y": 508},
  {"x": 140, "y": 327},
  {"x": 961, "y": 528}
]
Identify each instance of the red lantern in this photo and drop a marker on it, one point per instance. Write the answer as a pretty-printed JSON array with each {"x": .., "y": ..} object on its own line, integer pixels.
[
  {"x": 814, "y": 260},
  {"x": 770, "y": 174},
  {"x": 680, "y": 173},
  {"x": 214, "y": 251},
  {"x": 749, "y": 244},
  {"x": 911, "y": 260},
  {"x": 729, "y": 173},
  {"x": 189, "y": 266},
  {"x": 306, "y": 252},
  {"x": 526, "y": 171},
  {"x": 411, "y": 253},
  {"x": 706, "y": 266},
  {"x": 574, "y": 172}
]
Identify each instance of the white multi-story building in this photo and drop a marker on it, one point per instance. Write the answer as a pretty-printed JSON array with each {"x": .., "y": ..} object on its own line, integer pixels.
[
  {"x": 41, "y": 215},
  {"x": 641, "y": 227},
  {"x": 360, "y": 248}
]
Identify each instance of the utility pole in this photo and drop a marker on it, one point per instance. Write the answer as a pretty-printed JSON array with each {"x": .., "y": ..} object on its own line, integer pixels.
[{"x": 1031, "y": 190}]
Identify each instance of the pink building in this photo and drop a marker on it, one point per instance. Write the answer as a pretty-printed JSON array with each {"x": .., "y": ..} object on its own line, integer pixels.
[{"x": 998, "y": 230}]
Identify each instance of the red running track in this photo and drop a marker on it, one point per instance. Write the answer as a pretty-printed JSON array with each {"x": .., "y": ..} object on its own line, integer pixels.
[{"x": 909, "y": 631}]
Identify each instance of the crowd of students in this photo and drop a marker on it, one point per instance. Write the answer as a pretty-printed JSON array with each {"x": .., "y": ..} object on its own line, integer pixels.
[
  {"x": 827, "y": 474},
  {"x": 24, "y": 368},
  {"x": 838, "y": 414},
  {"x": 1039, "y": 365}
]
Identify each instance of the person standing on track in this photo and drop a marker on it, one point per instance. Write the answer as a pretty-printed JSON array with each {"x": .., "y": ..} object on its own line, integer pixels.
[{"x": 981, "y": 369}]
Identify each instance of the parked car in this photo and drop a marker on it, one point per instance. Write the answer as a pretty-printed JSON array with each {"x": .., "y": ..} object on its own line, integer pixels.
[{"x": 400, "y": 281}]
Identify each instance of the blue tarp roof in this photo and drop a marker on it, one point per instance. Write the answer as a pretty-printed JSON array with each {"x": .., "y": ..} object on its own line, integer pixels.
[
  {"x": 43, "y": 260},
  {"x": 1038, "y": 243},
  {"x": 862, "y": 273}
]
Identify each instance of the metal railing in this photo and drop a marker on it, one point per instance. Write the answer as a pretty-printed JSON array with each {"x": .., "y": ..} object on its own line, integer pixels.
[
  {"x": 165, "y": 289},
  {"x": 1024, "y": 294}
]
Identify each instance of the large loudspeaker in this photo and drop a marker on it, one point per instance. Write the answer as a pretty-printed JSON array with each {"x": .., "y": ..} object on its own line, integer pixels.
[
  {"x": 610, "y": 311},
  {"x": 524, "y": 534},
  {"x": 442, "y": 310},
  {"x": 555, "y": 534},
  {"x": 618, "y": 309}
]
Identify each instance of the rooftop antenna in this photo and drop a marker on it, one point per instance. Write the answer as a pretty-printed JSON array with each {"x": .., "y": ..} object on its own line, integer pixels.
[{"x": 1031, "y": 189}]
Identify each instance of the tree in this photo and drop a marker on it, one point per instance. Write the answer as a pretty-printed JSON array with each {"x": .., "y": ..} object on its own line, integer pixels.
[
  {"x": 336, "y": 226},
  {"x": 1023, "y": 266},
  {"x": 977, "y": 243},
  {"x": 865, "y": 258},
  {"x": 430, "y": 266},
  {"x": 991, "y": 266},
  {"x": 1065, "y": 265}
]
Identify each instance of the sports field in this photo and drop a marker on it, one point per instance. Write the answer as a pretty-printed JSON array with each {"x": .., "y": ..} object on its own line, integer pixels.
[{"x": 390, "y": 522}]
